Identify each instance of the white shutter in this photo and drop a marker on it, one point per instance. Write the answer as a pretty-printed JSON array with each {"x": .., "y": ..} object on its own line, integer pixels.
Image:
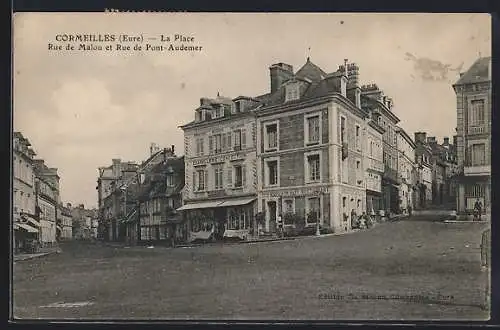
[
  {"x": 224, "y": 145},
  {"x": 243, "y": 175},
  {"x": 243, "y": 138},
  {"x": 229, "y": 177},
  {"x": 229, "y": 144},
  {"x": 194, "y": 181},
  {"x": 206, "y": 180}
]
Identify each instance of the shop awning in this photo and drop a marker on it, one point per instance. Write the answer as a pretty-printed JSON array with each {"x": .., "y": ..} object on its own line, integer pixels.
[
  {"x": 26, "y": 227},
  {"x": 236, "y": 202},
  {"x": 203, "y": 205}
]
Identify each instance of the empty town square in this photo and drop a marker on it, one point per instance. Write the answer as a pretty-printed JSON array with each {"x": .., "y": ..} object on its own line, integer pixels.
[{"x": 410, "y": 269}]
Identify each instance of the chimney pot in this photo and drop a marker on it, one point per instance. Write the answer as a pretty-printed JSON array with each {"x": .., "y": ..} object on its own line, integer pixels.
[{"x": 279, "y": 73}]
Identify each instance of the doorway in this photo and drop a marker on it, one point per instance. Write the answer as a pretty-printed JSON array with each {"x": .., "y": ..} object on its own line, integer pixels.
[{"x": 271, "y": 209}]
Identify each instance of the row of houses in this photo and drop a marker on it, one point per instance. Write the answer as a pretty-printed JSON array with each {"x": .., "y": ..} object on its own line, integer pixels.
[
  {"x": 318, "y": 149},
  {"x": 39, "y": 216}
]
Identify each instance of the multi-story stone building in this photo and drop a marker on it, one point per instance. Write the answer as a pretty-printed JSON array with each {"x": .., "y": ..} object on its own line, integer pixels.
[
  {"x": 220, "y": 168},
  {"x": 423, "y": 154},
  {"x": 26, "y": 223},
  {"x": 311, "y": 146},
  {"x": 374, "y": 166},
  {"x": 406, "y": 168},
  {"x": 65, "y": 222},
  {"x": 374, "y": 100},
  {"x": 473, "y": 91},
  {"x": 47, "y": 193}
]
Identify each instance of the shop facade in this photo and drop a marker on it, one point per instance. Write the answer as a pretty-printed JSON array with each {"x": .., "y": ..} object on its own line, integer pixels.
[{"x": 220, "y": 170}]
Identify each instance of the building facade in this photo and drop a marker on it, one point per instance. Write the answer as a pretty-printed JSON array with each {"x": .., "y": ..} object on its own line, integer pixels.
[
  {"x": 311, "y": 146},
  {"x": 374, "y": 166},
  {"x": 48, "y": 199},
  {"x": 65, "y": 222},
  {"x": 374, "y": 100},
  {"x": 473, "y": 91},
  {"x": 26, "y": 223},
  {"x": 111, "y": 199},
  {"x": 220, "y": 169},
  {"x": 406, "y": 168},
  {"x": 158, "y": 201},
  {"x": 423, "y": 154}
]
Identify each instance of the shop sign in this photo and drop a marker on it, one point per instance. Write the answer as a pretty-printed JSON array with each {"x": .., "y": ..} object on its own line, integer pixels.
[
  {"x": 309, "y": 191},
  {"x": 219, "y": 159}
]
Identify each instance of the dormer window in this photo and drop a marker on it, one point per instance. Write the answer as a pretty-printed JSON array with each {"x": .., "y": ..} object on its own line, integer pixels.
[
  {"x": 292, "y": 92},
  {"x": 237, "y": 107}
]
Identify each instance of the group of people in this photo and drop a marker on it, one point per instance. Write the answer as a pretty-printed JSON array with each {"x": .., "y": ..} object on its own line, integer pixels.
[{"x": 364, "y": 221}]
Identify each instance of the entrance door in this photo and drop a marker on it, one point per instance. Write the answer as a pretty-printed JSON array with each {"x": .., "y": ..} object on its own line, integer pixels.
[
  {"x": 271, "y": 209},
  {"x": 220, "y": 220}
]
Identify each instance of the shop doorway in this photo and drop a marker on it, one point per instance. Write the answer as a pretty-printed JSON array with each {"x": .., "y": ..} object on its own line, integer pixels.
[{"x": 271, "y": 209}]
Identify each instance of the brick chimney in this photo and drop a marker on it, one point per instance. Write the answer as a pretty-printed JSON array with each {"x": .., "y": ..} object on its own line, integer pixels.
[
  {"x": 431, "y": 139},
  {"x": 446, "y": 141},
  {"x": 352, "y": 75},
  {"x": 372, "y": 91},
  {"x": 420, "y": 137},
  {"x": 280, "y": 72}
]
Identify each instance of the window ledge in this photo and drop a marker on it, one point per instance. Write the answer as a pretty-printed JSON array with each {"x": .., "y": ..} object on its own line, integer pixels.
[
  {"x": 271, "y": 150},
  {"x": 312, "y": 143}
]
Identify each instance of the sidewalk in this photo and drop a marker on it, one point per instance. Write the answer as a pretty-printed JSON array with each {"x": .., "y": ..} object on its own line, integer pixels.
[
  {"x": 43, "y": 252},
  {"x": 261, "y": 239}
]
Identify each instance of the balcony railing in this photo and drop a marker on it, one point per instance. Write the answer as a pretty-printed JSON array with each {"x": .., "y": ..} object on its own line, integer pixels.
[{"x": 476, "y": 130}]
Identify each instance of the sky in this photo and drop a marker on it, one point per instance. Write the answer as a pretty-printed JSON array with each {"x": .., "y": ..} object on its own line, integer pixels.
[{"x": 80, "y": 109}]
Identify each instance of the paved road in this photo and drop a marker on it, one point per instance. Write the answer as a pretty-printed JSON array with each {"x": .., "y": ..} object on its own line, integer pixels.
[{"x": 401, "y": 270}]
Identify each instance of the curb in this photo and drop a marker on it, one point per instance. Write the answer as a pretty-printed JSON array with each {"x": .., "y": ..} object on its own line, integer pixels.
[
  {"x": 465, "y": 221},
  {"x": 37, "y": 255}
]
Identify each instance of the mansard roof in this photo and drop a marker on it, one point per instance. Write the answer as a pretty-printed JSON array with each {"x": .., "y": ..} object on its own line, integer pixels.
[{"x": 478, "y": 72}]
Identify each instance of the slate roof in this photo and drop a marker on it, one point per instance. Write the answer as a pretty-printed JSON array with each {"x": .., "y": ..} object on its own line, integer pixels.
[
  {"x": 310, "y": 71},
  {"x": 478, "y": 72},
  {"x": 314, "y": 82}
]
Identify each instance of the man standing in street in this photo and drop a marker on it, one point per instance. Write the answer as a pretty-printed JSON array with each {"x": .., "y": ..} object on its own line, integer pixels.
[{"x": 478, "y": 208}]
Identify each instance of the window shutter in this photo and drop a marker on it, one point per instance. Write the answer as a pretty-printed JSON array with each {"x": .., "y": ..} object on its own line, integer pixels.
[
  {"x": 243, "y": 175},
  {"x": 229, "y": 177},
  {"x": 243, "y": 138},
  {"x": 229, "y": 144},
  {"x": 224, "y": 146},
  {"x": 202, "y": 145},
  {"x": 210, "y": 144},
  {"x": 206, "y": 179},
  {"x": 194, "y": 181}
]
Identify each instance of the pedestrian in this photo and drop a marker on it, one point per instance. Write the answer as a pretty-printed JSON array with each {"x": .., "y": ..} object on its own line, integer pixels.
[
  {"x": 478, "y": 206},
  {"x": 354, "y": 220},
  {"x": 485, "y": 265},
  {"x": 409, "y": 210},
  {"x": 280, "y": 226}
]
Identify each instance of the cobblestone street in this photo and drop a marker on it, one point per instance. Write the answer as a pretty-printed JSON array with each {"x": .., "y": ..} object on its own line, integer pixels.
[{"x": 400, "y": 270}]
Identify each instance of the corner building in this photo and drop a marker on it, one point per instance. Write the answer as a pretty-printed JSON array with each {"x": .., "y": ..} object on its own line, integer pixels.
[
  {"x": 220, "y": 169},
  {"x": 311, "y": 143},
  {"x": 474, "y": 111}
]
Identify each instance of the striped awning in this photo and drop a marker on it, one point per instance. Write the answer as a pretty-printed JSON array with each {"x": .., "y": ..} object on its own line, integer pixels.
[{"x": 25, "y": 227}]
